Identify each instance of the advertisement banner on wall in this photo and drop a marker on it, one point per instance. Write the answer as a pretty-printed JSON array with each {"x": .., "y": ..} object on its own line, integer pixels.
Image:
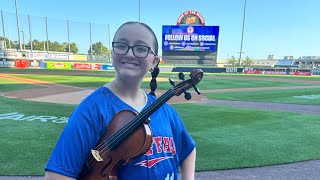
[
  {"x": 32, "y": 55},
  {"x": 86, "y": 66},
  {"x": 12, "y": 55},
  {"x": 58, "y": 65},
  {"x": 61, "y": 56},
  {"x": 106, "y": 67},
  {"x": 22, "y": 63},
  {"x": 78, "y": 57},
  {"x": 190, "y": 38},
  {"x": 36, "y": 64},
  {"x": 4, "y": 63},
  {"x": 1, "y": 54}
]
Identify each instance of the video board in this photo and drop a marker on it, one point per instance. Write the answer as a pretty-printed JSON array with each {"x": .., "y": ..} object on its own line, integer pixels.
[{"x": 190, "y": 38}]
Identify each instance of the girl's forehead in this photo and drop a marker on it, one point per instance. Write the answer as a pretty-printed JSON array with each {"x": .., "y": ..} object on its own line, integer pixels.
[{"x": 134, "y": 32}]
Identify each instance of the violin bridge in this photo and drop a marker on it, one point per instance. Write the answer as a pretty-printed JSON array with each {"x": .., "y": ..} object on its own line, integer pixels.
[{"x": 96, "y": 155}]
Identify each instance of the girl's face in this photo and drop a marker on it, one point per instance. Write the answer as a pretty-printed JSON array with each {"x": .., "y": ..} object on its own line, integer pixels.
[{"x": 133, "y": 65}]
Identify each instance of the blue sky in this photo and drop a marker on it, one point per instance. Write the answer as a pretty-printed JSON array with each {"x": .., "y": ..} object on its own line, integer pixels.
[{"x": 279, "y": 27}]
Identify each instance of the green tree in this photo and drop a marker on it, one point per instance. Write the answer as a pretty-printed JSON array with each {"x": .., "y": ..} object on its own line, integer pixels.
[
  {"x": 232, "y": 61},
  {"x": 73, "y": 47},
  {"x": 8, "y": 43},
  {"x": 55, "y": 46},
  {"x": 37, "y": 45},
  {"x": 247, "y": 62},
  {"x": 99, "y": 49}
]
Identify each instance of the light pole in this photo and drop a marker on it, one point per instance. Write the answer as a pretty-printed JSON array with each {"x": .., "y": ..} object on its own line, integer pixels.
[
  {"x": 243, "y": 20},
  {"x": 4, "y": 32},
  {"x": 109, "y": 43},
  {"x": 18, "y": 24},
  {"x": 24, "y": 45},
  {"x": 139, "y": 10}
]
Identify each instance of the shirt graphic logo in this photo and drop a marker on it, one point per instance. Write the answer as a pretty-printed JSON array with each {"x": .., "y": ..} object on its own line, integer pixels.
[{"x": 152, "y": 162}]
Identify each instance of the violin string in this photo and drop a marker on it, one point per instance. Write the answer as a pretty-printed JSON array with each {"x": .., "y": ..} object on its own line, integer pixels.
[
  {"x": 135, "y": 123},
  {"x": 174, "y": 90},
  {"x": 122, "y": 131},
  {"x": 106, "y": 143}
]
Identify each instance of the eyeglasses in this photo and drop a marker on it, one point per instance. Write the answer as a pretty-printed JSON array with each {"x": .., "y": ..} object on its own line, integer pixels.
[{"x": 139, "y": 51}]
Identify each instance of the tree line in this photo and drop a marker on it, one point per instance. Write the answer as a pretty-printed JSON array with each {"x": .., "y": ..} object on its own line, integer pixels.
[
  {"x": 97, "y": 48},
  {"x": 235, "y": 62}
]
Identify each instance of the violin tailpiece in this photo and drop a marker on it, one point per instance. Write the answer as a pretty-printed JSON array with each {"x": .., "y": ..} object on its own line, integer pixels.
[{"x": 96, "y": 155}]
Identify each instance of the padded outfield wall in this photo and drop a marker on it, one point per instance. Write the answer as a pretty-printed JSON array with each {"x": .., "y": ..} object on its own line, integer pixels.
[{"x": 67, "y": 65}]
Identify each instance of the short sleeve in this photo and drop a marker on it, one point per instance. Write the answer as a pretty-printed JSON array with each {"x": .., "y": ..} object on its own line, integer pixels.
[
  {"x": 184, "y": 142},
  {"x": 79, "y": 136}
]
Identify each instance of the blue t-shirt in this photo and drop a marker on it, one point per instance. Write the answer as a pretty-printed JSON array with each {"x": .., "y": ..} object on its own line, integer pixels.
[{"x": 171, "y": 141}]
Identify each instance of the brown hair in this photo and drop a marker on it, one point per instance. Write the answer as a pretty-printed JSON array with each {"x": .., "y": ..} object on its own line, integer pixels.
[{"x": 155, "y": 72}]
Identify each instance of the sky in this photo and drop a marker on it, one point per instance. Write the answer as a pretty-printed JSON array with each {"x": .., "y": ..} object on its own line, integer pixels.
[{"x": 272, "y": 27}]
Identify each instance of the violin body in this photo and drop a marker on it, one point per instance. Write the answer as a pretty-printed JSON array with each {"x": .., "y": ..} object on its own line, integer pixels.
[{"x": 134, "y": 145}]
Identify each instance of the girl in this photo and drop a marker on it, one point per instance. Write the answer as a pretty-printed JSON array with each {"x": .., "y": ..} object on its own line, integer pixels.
[{"x": 134, "y": 53}]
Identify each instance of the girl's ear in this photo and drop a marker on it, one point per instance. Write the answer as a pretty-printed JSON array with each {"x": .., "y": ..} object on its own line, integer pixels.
[
  {"x": 155, "y": 61},
  {"x": 111, "y": 58}
]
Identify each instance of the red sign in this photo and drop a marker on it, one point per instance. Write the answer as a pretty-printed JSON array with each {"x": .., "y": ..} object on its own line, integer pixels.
[
  {"x": 302, "y": 73},
  {"x": 81, "y": 66},
  {"x": 193, "y": 13},
  {"x": 21, "y": 63}
]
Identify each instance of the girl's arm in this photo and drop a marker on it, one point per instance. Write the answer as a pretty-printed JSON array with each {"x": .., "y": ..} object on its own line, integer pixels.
[{"x": 188, "y": 166}]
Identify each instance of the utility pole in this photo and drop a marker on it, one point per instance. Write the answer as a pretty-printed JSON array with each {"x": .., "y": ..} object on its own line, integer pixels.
[
  {"x": 139, "y": 10},
  {"x": 24, "y": 45},
  {"x": 109, "y": 43},
  {"x": 68, "y": 38},
  {"x": 243, "y": 21},
  {"x": 91, "y": 54},
  {"x": 18, "y": 24},
  {"x": 31, "y": 42},
  {"x": 47, "y": 35},
  {"x": 4, "y": 32}
]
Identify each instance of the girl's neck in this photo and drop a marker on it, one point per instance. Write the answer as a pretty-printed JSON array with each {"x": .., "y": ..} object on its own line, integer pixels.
[
  {"x": 130, "y": 93},
  {"x": 126, "y": 88}
]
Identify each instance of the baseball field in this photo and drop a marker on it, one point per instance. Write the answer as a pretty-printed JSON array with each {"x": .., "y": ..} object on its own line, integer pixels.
[{"x": 238, "y": 121}]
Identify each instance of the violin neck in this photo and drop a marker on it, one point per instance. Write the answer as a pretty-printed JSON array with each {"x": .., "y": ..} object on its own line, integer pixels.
[{"x": 154, "y": 106}]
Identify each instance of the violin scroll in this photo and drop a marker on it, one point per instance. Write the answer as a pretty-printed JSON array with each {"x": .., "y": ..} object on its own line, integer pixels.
[{"x": 195, "y": 77}]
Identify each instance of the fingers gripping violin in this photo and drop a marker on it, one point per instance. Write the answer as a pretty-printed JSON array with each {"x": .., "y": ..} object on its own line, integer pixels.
[{"x": 129, "y": 135}]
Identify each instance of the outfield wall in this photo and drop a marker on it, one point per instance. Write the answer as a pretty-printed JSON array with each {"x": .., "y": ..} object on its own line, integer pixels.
[{"x": 67, "y": 65}]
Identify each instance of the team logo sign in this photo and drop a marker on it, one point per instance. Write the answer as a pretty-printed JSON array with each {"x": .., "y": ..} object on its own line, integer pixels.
[{"x": 190, "y": 30}]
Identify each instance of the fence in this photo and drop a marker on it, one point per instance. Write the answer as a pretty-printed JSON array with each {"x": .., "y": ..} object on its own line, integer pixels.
[{"x": 25, "y": 35}]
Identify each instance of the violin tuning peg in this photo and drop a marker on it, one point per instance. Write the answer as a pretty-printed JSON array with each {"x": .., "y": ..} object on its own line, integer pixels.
[
  {"x": 187, "y": 95},
  {"x": 171, "y": 82},
  {"x": 197, "y": 90},
  {"x": 181, "y": 76}
]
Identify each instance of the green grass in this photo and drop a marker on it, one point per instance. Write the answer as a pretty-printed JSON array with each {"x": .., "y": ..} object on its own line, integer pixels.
[
  {"x": 26, "y": 145},
  {"x": 9, "y": 85},
  {"x": 205, "y": 84},
  {"x": 292, "y": 96},
  {"x": 316, "y": 78},
  {"x": 229, "y": 137},
  {"x": 226, "y": 137}
]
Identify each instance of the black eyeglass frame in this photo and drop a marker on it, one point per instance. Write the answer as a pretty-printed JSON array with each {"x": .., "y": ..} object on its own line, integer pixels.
[{"x": 133, "y": 51}]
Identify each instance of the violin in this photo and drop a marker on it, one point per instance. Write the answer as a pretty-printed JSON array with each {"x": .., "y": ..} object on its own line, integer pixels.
[{"x": 129, "y": 134}]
